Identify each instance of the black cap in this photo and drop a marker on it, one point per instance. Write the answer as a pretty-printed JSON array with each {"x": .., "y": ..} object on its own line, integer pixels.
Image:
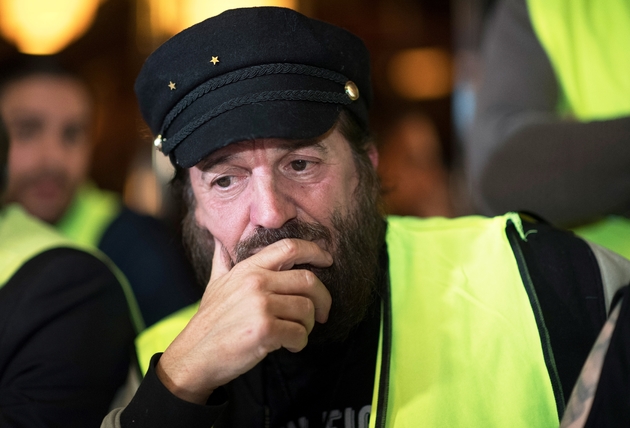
[{"x": 262, "y": 72}]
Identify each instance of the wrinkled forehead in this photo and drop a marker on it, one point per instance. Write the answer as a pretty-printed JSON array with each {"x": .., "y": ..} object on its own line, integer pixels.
[
  {"x": 244, "y": 149},
  {"x": 46, "y": 81}
]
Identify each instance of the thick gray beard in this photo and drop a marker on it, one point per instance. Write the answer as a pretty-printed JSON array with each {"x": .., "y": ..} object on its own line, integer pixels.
[{"x": 352, "y": 280}]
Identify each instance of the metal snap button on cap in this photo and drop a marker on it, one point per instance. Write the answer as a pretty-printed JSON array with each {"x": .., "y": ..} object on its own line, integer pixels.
[{"x": 351, "y": 90}]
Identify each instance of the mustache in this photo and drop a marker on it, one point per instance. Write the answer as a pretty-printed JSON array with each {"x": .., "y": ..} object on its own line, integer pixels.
[
  {"x": 293, "y": 229},
  {"x": 56, "y": 176}
]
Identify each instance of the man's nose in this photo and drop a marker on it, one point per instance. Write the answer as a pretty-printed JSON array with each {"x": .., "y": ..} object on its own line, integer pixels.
[
  {"x": 53, "y": 149},
  {"x": 271, "y": 206}
]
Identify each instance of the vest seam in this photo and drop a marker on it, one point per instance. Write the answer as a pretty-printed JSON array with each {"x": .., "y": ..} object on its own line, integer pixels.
[{"x": 545, "y": 341}]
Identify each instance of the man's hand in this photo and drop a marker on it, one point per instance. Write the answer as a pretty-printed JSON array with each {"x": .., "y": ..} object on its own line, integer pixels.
[{"x": 258, "y": 306}]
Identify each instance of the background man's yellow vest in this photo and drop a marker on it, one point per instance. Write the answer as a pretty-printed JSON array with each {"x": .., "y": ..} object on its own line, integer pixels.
[
  {"x": 23, "y": 237},
  {"x": 588, "y": 43},
  {"x": 90, "y": 214}
]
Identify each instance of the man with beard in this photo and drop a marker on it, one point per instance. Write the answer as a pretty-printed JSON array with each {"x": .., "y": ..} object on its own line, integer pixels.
[
  {"x": 66, "y": 334},
  {"x": 48, "y": 111},
  {"x": 319, "y": 312}
]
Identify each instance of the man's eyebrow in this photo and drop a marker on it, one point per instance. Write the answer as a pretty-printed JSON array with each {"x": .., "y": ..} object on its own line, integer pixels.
[
  {"x": 31, "y": 121},
  {"x": 289, "y": 145},
  {"x": 316, "y": 143},
  {"x": 210, "y": 162}
]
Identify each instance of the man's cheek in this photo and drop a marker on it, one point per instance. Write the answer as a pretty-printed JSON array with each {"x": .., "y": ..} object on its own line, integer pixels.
[
  {"x": 202, "y": 218},
  {"x": 198, "y": 216}
]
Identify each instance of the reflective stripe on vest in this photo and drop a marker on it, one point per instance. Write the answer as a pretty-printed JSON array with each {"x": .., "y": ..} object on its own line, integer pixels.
[
  {"x": 23, "y": 237},
  {"x": 465, "y": 348},
  {"x": 91, "y": 212},
  {"x": 587, "y": 43}
]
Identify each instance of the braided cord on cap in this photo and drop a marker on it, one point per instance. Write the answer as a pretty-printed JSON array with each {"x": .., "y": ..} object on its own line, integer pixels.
[
  {"x": 288, "y": 95},
  {"x": 244, "y": 74}
]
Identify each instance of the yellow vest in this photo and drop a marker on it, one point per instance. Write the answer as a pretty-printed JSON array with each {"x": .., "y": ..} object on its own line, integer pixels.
[
  {"x": 157, "y": 337},
  {"x": 91, "y": 212},
  {"x": 23, "y": 237},
  {"x": 465, "y": 347},
  {"x": 588, "y": 43}
]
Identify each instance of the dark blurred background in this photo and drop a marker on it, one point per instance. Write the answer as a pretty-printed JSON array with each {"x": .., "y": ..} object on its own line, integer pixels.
[{"x": 425, "y": 66}]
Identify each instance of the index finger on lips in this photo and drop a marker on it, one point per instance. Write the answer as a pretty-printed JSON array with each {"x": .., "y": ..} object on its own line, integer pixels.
[{"x": 286, "y": 253}]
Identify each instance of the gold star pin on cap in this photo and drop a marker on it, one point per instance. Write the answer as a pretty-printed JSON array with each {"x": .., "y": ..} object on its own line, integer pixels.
[
  {"x": 214, "y": 60},
  {"x": 171, "y": 85}
]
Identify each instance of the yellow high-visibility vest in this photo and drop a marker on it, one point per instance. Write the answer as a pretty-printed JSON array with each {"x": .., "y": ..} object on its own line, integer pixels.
[
  {"x": 465, "y": 347},
  {"x": 23, "y": 237},
  {"x": 587, "y": 43}
]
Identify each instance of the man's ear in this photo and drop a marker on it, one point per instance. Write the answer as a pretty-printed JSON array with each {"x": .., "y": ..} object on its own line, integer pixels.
[{"x": 373, "y": 154}]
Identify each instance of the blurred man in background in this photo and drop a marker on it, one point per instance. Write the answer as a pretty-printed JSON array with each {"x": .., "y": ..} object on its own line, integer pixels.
[
  {"x": 66, "y": 333},
  {"x": 413, "y": 176},
  {"x": 552, "y": 124},
  {"x": 49, "y": 112}
]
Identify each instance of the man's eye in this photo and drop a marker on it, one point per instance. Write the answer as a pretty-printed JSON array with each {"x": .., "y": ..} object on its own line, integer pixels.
[
  {"x": 223, "y": 181},
  {"x": 299, "y": 165},
  {"x": 72, "y": 135},
  {"x": 26, "y": 132}
]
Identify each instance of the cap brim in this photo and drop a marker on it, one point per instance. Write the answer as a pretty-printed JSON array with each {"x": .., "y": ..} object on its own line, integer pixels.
[{"x": 291, "y": 120}]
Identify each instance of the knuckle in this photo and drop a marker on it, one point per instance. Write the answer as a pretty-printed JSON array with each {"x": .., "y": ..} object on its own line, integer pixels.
[
  {"x": 300, "y": 337},
  {"x": 256, "y": 281},
  {"x": 310, "y": 279},
  {"x": 263, "y": 349},
  {"x": 264, "y": 328},
  {"x": 289, "y": 247},
  {"x": 296, "y": 339},
  {"x": 308, "y": 307},
  {"x": 261, "y": 304}
]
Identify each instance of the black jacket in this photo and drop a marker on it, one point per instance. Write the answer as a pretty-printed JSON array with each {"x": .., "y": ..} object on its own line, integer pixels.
[{"x": 66, "y": 341}]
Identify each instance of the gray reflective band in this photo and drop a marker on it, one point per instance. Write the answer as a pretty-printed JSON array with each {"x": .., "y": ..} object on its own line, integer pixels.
[{"x": 615, "y": 271}]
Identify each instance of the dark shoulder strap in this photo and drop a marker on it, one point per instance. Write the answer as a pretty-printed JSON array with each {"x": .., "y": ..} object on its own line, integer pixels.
[{"x": 568, "y": 286}]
